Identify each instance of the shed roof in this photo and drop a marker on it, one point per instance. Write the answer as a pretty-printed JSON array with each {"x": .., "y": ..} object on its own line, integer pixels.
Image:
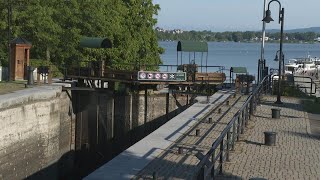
[
  {"x": 95, "y": 42},
  {"x": 192, "y": 46},
  {"x": 238, "y": 70},
  {"x": 20, "y": 40}
]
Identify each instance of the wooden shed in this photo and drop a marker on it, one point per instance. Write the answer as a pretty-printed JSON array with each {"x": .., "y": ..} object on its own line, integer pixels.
[{"x": 20, "y": 52}]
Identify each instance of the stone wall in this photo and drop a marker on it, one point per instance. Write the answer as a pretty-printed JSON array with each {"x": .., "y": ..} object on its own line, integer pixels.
[{"x": 35, "y": 133}]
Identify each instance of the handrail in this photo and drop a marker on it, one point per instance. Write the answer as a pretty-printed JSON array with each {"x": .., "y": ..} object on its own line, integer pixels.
[
  {"x": 311, "y": 82},
  {"x": 237, "y": 124},
  {"x": 312, "y": 86}
]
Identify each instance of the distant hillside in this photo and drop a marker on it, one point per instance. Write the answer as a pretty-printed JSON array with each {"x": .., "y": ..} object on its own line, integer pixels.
[{"x": 301, "y": 30}]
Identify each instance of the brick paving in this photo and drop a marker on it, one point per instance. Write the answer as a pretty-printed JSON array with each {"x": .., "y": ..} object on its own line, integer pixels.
[
  {"x": 172, "y": 165},
  {"x": 295, "y": 156}
]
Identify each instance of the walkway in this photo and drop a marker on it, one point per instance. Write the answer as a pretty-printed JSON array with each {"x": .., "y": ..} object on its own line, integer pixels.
[{"x": 295, "y": 156}]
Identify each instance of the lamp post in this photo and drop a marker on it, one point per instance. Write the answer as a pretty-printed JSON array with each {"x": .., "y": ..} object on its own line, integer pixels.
[
  {"x": 261, "y": 61},
  {"x": 277, "y": 59},
  {"x": 268, "y": 19}
]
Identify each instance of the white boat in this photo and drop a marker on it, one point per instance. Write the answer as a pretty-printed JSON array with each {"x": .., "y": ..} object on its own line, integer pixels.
[{"x": 302, "y": 66}]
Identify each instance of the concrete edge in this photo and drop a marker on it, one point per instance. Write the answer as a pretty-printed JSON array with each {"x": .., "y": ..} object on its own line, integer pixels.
[{"x": 27, "y": 95}]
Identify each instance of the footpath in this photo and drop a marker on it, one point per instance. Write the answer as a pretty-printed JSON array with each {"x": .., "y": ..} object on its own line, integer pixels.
[{"x": 296, "y": 154}]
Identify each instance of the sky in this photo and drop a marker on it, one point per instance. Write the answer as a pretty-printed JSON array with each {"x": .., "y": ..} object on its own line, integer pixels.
[{"x": 235, "y": 15}]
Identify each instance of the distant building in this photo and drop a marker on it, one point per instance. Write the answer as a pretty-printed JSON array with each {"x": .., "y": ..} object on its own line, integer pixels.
[
  {"x": 265, "y": 38},
  {"x": 317, "y": 39},
  {"x": 160, "y": 29},
  {"x": 177, "y": 31}
]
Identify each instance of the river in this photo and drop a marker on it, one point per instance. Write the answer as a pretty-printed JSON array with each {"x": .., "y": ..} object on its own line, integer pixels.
[{"x": 233, "y": 54}]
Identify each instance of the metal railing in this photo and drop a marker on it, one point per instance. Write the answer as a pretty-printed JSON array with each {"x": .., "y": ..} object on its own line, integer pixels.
[
  {"x": 305, "y": 84},
  {"x": 95, "y": 68},
  {"x": 221, "y": 147},
  {"x": 302, "y": 84}
]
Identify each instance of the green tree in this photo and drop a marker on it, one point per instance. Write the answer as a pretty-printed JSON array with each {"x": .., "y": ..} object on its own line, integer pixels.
[{"x": 55, "y": 28}]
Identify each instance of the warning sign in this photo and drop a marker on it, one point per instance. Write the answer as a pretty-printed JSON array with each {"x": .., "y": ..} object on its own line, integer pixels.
[{"x": 161, "y": 76}]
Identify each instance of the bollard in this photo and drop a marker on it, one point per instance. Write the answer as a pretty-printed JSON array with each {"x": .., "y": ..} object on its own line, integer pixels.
[
  {"x": 197, "y": 132},
  {"x": 219, "y": 110},
  {"x": 210, "y": 120},
  {"x": 227, "y": 103},
  {"x": 275, "y": 113},
  {"x": 30, "y": 75},
  {"x": 270, "y": 138},
  {"x": 234, "y": 95},
  {"x": 180, "y": 150}
]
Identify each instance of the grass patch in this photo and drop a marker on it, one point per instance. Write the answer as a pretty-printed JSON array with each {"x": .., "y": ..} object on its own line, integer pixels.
[
  {"x": 312, "y": 105},
  {"x": 8, "y": 87}
]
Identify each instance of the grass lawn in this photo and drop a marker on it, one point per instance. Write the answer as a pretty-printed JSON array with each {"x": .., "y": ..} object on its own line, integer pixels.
[{"x": 8, "y": 87}]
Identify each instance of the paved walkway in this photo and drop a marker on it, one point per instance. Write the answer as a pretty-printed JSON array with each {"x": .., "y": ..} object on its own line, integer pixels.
[{"x": 295, "y": 156}]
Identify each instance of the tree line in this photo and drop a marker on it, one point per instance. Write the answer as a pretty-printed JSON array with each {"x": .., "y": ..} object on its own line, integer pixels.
[
  {"x": 247, "y": 36},
  {"x": 55, "y": 27}
]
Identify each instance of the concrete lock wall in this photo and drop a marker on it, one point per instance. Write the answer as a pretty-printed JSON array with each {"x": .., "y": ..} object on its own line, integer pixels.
[
  {"x": 35, "y": 134},
  {"x": 108, "y": 123},
  {"x": 46, "y": 133}
]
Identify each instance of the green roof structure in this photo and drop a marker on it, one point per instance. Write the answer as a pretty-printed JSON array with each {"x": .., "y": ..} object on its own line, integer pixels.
[
  {"x": 192, "y": 46},
  {"x": 238, "y": 70},
  {"x": 94, "y": 42},
  {"x": 20, "y": 40}
]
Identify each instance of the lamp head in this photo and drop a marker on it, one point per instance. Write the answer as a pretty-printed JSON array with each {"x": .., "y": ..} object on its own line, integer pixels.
[
  {"x": 268, "y": 18},
  {"x": 276, "y": 58}
]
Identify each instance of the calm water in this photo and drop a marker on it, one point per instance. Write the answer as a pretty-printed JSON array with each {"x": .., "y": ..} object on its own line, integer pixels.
[{"x": 230, "y": 54}]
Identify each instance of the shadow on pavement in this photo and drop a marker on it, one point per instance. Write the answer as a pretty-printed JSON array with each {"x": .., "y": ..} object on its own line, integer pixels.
[
  {"x": 304, "y": 135},
  {"x": 254, "y": 143}
]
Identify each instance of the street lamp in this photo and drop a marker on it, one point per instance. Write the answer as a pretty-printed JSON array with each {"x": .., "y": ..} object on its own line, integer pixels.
[
  {"x": 262, "y": 61},
  {"x": 268, "y": 19},
  {"x": 277, "y": 59}
]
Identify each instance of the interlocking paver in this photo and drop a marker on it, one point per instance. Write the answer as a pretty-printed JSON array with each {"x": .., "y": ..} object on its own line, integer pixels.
[{"x": 295, "y": 156}]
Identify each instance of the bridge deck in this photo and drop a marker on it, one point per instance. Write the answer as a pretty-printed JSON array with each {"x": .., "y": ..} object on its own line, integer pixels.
[{"x": 137, "y": 160}]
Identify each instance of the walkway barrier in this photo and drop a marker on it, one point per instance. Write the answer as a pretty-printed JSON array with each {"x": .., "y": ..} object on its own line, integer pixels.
[
  {"x": 221, "y": 147},
  {"x": 305, "y": 84}
]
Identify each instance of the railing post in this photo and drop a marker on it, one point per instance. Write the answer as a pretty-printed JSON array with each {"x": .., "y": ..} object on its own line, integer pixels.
[
  {"x": 228, "y": 147},
  {"x": 201, "y": 174},
  {"x": 246, "y": 116},
  {"x": 233, "y": 135},
  {"x": 255, "y": 102},
  {"x": 213, "y": 156},
  {"x": 251, "y": 105},
  {"x": 242, "y": 123},
  {"x": 311, "y": 87},
  {"x": 221, "y": 157},
  {"x": 238, "y": 128}
]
